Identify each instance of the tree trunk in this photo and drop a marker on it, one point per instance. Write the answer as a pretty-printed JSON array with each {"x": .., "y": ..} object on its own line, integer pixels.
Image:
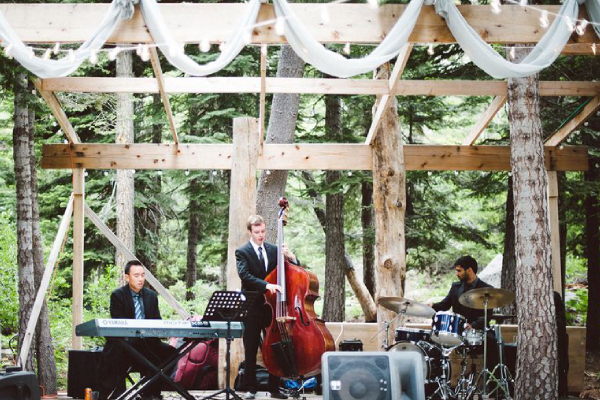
[
  {"x": 282, "y": 128},
  {"x": 592, "y": 238},
  {"x": 335, "y": 293},
  {"x": 21, "y": 155},
  {"x": 365, "y": 299},
  {"x": 45, "y": 349},
  {"x": 125, "y": 189},
  {"x": 193, "y": 230},
  {"x": 389, "y": 202},
  {"x": 368, "y": 239},
  {"x": 537, "y": 364},
  {"x": 508, "y": 257}
]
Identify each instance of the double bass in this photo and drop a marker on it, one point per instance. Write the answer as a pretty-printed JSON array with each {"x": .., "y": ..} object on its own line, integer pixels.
[{"x": 296, "y": 339}]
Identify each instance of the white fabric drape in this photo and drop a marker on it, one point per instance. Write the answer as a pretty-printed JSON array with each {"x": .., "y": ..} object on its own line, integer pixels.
[
  {"x": 118, "y": 9},
  {"x": 332, "y": 63},
  {"x": 173, "y": 51},
  {"x": 486, "y": 58},
  {"x": 593, "y": 9}
]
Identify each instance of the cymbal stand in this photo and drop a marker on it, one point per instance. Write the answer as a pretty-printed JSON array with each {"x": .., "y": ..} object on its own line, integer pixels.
[
  {"x": 465, "y": 385},
  {"x": 386, "y": 327},
  {"x": 444, "y": 391},
  {"x": 502, "y": 383}
]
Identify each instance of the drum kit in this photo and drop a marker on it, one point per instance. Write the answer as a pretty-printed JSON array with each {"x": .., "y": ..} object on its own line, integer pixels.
[{"x": 449, "y": 333}]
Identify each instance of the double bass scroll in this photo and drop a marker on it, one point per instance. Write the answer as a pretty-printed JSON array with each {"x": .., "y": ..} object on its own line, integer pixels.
[{"x": 296, "y": 338}]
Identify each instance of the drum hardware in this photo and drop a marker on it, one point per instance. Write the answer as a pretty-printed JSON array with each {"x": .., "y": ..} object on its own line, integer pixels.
[
  {"x": 447, "y": 328},
  {"x": 401, "y": 307},
  {"x": 485, "y": 298}
]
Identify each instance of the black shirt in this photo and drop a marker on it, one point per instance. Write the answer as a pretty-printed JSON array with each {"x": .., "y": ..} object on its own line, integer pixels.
[{"x": 473, "y": 316}]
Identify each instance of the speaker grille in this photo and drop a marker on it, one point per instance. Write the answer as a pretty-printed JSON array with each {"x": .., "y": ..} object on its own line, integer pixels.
[{"x": 359, "y": 378}]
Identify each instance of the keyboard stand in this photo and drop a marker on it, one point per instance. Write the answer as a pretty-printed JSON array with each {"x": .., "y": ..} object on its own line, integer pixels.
[
  {"x": 158, "y": 371},
  {"x": 229, "y": 306}
]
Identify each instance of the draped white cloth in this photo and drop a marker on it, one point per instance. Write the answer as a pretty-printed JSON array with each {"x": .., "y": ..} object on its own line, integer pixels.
[
  {"x": 332, "y": 63},
  {"x": 486, "y": 58},
  {"x": 301, "y": 40}
]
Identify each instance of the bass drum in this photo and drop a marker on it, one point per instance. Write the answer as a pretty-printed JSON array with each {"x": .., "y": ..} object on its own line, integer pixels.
[{"x": 432, "y": 361}]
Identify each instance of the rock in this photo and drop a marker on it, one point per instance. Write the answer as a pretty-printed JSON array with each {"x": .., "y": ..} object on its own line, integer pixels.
[{"x": 492, "y": 273}]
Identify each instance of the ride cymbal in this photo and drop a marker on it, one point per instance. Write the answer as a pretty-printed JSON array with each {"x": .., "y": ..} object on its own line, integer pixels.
[
  {"x": 407, "y": 306},
  {"x": 477, "y": 298}
]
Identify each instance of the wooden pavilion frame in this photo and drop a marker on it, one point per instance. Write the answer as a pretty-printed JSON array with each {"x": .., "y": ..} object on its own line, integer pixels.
[{"x": 350, "y": 23}]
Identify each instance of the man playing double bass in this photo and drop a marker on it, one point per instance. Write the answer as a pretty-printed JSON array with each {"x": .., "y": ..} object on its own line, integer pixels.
[{"x": 255, "y": 260}]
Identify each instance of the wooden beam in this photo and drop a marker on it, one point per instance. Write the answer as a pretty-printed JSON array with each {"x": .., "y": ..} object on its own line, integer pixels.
[
  {"x": 392, "y": 85},
  {"x": 242, "y": 194},
  {"x": 41, "y": 293},
  {"x": 78, "y": 247},
  {"x": 554, "y": 230},
  {"x": 355, "y": 23},
  {"x": 95, "y": 219},
  {"x": 310, "y": 86},
  {"x": 485, "y": 120},
  {"x": 160, "y": 79},
  {"x": 296, "y": 156},
  {"x": 58, "y": 112},
  {"x": 574, "y": 123},
  {"x": 263, "y": 92}
]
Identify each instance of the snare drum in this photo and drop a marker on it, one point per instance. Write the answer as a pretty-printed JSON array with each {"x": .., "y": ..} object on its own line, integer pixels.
[
  {"x": 447, "y": 328},
  {"x": 473, "y": 337},
  {"x": 431, "y": 356},
  {"x": 412, "y": 335}
]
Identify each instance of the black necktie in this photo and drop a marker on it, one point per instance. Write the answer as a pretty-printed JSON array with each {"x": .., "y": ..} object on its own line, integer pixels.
[{"x": 261, "y": 258}]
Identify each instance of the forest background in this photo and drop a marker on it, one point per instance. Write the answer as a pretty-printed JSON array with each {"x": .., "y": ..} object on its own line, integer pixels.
[{"x": 181, "y": 217}]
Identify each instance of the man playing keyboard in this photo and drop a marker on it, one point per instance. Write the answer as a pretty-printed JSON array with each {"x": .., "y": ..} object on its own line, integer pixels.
[{"x": 132, "y": 301}]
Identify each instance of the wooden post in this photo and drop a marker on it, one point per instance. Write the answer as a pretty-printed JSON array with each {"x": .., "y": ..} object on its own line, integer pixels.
[
  {"x": 389, "y": 203},
  {"x": 242, "y": 200},
  {"x": 554, "y": 230},
  {"x": 78, "y": 240}
]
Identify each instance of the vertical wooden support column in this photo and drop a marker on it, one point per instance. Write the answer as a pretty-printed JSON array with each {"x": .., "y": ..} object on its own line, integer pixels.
[
  {"x": 242, "y": 203},
  {"x": 78, "y": 236},
  {"x": 554, "y": 229},
  {"x": 389, "y": 203}
]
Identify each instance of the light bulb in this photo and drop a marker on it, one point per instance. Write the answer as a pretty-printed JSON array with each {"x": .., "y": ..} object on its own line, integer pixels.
[
  {"x": 570, "y": 24},
  {"x": 581, "y": 27},
  {"x": 512, "y": 53},
  {"x": 138, "y": 50},
  {"x": 47, "y": 54},
  {"x": 71, "y": 55},
  {"x": 280, "y": 26},
  {"x": 347, "y": 48},
  {"x": 159, "y": 172},
  {"x": 496, "y": 9},
  {"x": 112, "y": 55},
  {"x": 145, "y": 53},
  {"x": 204, "y": 45},
  {"x": 430, "y": 50},
  {"x": 222, "y": 46},
  {"x": 373, "y": 3},
  {"x": 544, "y": 22},
  {"x": 7, "y": 50},
  {"x": 94, "y": 57},
  {"x": 523, "y": 3},
  {"x": 187, "y": 172},
  {"x": 56, "y": 48}
]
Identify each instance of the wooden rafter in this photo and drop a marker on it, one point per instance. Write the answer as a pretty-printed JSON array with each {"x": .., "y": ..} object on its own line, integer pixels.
[
  {"x": 485, "y": 120},
  {"x": 263, "y": 92},
  {"x": 574, "y": 123},
  {"x": 355, "y": 23},
  {"x": 310, "y": 86},
  {"x": 301, "y": 156},
  {"x": 58, "y": 112},
  {"x": 392, "y": 85},
  {"x": 160, "y": 79}
]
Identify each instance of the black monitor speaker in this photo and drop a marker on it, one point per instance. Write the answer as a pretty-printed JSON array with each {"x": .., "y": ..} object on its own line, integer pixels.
[
  {"x": 20, "y": 385},
  {"x": 372, "y": 376},
  {"x": 83, "y": 372}
]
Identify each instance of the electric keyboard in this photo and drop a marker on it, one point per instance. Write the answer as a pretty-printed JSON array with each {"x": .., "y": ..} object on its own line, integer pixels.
[{"x": 158, "y": 328}]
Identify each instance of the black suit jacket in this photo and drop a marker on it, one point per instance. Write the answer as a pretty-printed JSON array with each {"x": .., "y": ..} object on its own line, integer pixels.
[
  {"x": 473, "y": 316},
  {"x": 121, "y": 303},
  {"x": 250, "y": 270}
]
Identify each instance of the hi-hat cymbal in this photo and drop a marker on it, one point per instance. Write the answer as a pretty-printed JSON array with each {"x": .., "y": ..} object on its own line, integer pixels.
[
  {"x": 412, "y": 307},
  {"x": 476, "y": 298}
]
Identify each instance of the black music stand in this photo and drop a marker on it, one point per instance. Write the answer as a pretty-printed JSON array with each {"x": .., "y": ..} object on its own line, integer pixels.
[{"x": 229, "y": 306}]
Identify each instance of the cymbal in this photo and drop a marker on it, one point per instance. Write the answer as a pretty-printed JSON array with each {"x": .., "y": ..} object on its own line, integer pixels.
[
  {"x": 412, "y": 307},
  {"x": 495, "y": 298}
]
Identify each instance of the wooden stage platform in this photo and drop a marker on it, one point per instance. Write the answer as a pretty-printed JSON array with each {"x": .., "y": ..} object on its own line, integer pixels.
[{"x": 199, "y": 394}]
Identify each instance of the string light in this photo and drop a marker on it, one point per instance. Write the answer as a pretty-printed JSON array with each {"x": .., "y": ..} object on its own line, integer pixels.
[
  {"x": 47, "y": 54},
  {"x": 523, "y": 3},
  {"x": 544, "y": 21},
  {"x": 430, "y": 50},
  {"x": 112, "y": 55},
  {"x": 512, "y": 53},
  {"x": 145, "y": 53},
  {"x": 159, "y": 172},
  {"x": 71, "y": 55},
  {"x": 373, "y": 3},
  {"x": 496, "y": 9},
  {"x": 56, "y": 48},
  {"x": 94, "y": 57},
  {"x": 7, "y": 50},
  {"x": 570, "y": 24},
  {"x": 222, "y": 46},
  {"x": 138, "y": 50},
  {"x": 347, "y": 48},
  {"x": 204, "y": 45},
  {"x": 187, "y": 172},
  {"x": 280, "y": 27},
  {"x": 581, "y": 27}
]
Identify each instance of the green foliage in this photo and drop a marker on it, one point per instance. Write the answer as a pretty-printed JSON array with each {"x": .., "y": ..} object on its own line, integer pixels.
[
  {"x": 9, "y": 279},
  {"x": 576, "y": 307}
]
